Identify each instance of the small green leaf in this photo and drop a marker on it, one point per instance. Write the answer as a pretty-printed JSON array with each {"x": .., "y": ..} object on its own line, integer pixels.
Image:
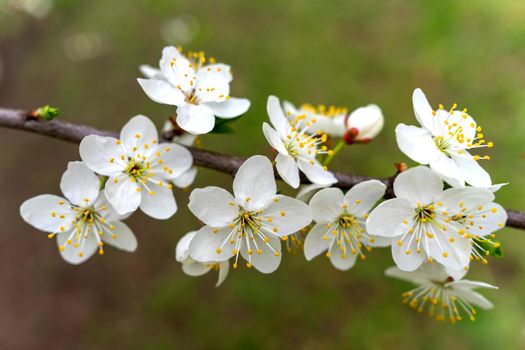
[
  {"x": 222, "y": 126},
  {"x": 103, "y": 180},
  {"x": 47, "y": 113}
]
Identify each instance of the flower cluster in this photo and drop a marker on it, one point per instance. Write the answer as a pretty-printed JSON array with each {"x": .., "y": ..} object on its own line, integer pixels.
[
  {"x": 132, "y": 171},
  {"x": 442, "y": 215}
]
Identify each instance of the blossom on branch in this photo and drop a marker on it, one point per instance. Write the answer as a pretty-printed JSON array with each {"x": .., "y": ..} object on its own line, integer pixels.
[
  {"x": 340, "y": 224},
  {"x": 443, "y": 142},
  {"x": 139, "y": 168},
  {"x": 297, "y": 149},
  {"x": 200, "y": 89},
  {"x": 83, "y": 221},
  {"x": 426, "y": 222},
  {"x": 251, "y": 223}
]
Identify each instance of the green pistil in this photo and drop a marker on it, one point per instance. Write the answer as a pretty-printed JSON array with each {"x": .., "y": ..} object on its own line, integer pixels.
[
  {"x": 135, "y": 169},
  {"x": 442, "y": 144}
]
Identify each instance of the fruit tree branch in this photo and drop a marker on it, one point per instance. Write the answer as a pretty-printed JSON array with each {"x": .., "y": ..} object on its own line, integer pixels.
[{"x": 23, "y": 120}]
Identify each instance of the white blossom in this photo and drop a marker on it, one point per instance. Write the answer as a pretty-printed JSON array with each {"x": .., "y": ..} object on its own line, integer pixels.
[
  {"x": 83, "y": 221},
  {"x": 251, "y": 223},
  {"x": 200, "y": 91},
  {"x": 195, "y": 268},
  {"x": 139, "y": 168},
  {"x": 429, "y": 223},
  {"x": 339, "y": 228},
  {"x": 297, "y": 149},
  {"x": 440, "y": 295},
  {"x": 443, "y": 142}
]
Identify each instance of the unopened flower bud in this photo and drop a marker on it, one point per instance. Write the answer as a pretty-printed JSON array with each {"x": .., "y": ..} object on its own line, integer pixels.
[
  {"x": 46, "y": 113},
  {"x": 363, "y": 124}
]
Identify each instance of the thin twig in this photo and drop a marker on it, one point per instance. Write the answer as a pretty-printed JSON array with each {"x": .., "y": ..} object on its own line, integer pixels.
[{"x": 19, "y": 119}]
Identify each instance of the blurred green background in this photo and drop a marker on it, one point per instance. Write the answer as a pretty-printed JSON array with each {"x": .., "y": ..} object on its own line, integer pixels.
[{"x": 82, "y": 56}]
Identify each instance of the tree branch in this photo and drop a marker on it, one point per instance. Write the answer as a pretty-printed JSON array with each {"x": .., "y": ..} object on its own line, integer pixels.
[{"x": 21, "y": 120}]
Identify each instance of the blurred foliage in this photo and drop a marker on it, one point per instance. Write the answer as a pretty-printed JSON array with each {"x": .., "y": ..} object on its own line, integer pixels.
[{"x": 83, "y": 57}]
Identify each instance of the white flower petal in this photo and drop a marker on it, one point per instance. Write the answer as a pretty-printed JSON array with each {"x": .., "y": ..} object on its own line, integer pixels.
[
  {"x": 339, "y": 260},
  {"x": 211, "y": 87},
  {"x": 106, "y": 210},
  {"x": 76, "y": 255},
  {"x": 361, "y": 198},
  {"x": 288, "y": 215},
  {"x": 195, "y": 119},
  {"x": 494, "y": 220},
  {"x": 410, "y": 276},
  {"x": 79, "y": 184},
  {"x": 423, "y": 110},
  {"x": 121, "y": 237},
  {"x": 139, "y": 132},
  {"x": 316, "y": 173},
  {"x": 159, "y": 204},
  {"x": 151, "y": 72},
  {"x": 327, "y": 205},
  {"x": 102, "y": 154},
  {"x": 287, "y": 169},
  {"x": 224, "y": 268},
  {"x": 495, "y": 188},
  {"x": 183, "y": 245},
  {"x": 203, "y": 247},
  {"x": 455, "y": 255},
  {"x": 214, "y": 206},
  {"x": 161, "y": 91},
  {"x": 219, "y": 70},
  {"x": 367, "y": 120},
  {"x": 186, "y": 139},
  {"x": 307, "y": 192},
  {"x": 314, "y": 244},
  {"x": 173, "y": 161},
  {"x": 254, "y": 184},
  {"x": 44, "y": 213},
  {"x": 387, "y": 219},
  {"x": 474, "y": 298},
  {"x": 230, "y": 108},
  {"x": 454, "y": 199},
  {"x": 416, "y": 143},
  {"x": 472, "y": 172},
  {"x": 268, "y": 261},
  {"x": 470, "y": 285},
  {"x": 185, "y": 179},
  {"x": 122, "y": 193},
  {"x": 418, "y": 184},
  {"x": 177, "y": 69},
  {"x": 407, "y": 257},
  {"x": 378, "y": 242},
  {"x": 448, "y": 170},
  {"x": 277, "y": 117},
  {"x": 195, "y": 269},
  {"x": 274, "y": 139}
]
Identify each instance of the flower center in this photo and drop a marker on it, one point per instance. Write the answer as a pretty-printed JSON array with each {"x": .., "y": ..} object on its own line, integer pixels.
[
  {"x": 251, "y": 230},
  {"x": 348, "y": 235},
  {"x": 86, "y": 221},
  {"x": 454, "y": 126},
  {"x": 299, "y": 143}
]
